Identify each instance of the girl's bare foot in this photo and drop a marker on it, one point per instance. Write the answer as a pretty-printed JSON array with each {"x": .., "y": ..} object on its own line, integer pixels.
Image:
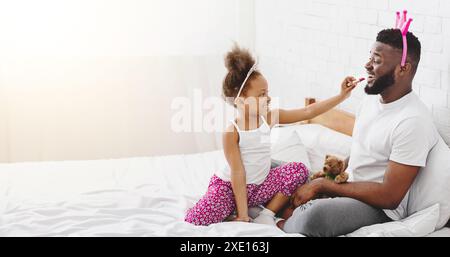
[{"x": 232, "y": 217}]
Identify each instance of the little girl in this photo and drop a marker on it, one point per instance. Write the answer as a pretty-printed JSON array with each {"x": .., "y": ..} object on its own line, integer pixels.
[{"x": 248, "y": 180}]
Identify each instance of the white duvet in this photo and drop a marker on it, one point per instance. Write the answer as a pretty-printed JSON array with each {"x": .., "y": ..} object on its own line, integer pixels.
[
  {"x": 121, "y": 197},
  {"x": 145, "y": 196}
]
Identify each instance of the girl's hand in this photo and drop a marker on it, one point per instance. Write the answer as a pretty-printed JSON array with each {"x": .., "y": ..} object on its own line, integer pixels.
[
  {"x": 243, "y": 219},
  {"x": 348, "y": 85}
]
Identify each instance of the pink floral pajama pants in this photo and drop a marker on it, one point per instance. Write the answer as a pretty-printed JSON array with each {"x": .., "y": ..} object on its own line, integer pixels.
[{"x": 218, "y": 202}]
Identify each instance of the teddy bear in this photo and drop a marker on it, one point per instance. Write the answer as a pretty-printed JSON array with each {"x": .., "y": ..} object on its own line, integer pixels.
[{"x": 334, "y": 169}]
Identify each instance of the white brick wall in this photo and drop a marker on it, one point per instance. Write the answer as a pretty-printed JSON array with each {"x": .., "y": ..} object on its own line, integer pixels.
[{"x": 306, "y": 47}]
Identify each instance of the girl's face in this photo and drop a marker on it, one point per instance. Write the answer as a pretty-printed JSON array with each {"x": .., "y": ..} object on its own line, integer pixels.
[{"x": 256, "y": 100}]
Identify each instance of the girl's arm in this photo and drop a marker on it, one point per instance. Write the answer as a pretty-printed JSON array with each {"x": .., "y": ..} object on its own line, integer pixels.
[
  {"x": 280, "y": 116},
  {"x": 238, "y": 179}
]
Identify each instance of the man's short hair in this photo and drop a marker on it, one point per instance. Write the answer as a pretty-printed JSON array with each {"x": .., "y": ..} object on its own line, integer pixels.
[{"x": 393, "y": 37}]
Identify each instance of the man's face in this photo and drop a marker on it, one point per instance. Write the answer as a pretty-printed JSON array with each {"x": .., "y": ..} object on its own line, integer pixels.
[{"x": 381, "y": 68}]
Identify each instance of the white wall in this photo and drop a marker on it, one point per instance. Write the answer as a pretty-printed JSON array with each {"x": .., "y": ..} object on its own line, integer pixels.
[
  {"x": 4, "y": 152},
  {"x": 307, "y": 47},
  {"x": 117, "y": 27},
  {"x": 96, "y": 79}
]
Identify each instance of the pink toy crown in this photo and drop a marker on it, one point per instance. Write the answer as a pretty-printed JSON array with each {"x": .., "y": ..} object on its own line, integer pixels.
[{"x": 402, "y": 23}]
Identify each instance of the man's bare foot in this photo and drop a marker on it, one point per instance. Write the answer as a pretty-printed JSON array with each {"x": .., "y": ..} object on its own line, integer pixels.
[
  {"x": 287, "y": 213},
  {"x": 280, "y": 224}
]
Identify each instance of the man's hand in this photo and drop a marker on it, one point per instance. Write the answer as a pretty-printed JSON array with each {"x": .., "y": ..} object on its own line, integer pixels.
[{"x": 306, "y": 192}]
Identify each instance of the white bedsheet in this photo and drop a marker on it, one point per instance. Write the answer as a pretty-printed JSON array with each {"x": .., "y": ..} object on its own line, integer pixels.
[
  {"x": 145, "y": 196},
  {"x": 120, "y": 197}
]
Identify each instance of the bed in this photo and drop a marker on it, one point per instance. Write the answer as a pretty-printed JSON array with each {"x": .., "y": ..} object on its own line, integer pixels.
[{"x": 145, "y": 196}]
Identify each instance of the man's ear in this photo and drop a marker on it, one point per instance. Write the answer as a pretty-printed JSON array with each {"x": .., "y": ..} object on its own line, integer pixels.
[{"x": 404, "y": 70}]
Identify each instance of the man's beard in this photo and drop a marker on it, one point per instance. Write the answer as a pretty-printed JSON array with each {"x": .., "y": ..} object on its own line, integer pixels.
[{"x": 381, "y": 84}]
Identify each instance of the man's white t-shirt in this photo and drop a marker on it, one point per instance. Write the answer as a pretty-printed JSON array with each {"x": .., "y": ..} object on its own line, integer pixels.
[{"x": 402, "y": 131}]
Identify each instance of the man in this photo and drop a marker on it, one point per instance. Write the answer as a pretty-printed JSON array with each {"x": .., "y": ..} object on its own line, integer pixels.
[{"x": 392, "y": 137}]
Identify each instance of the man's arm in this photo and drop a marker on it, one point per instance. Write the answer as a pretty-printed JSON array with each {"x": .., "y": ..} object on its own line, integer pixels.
[{"x": 386, "y": 195}]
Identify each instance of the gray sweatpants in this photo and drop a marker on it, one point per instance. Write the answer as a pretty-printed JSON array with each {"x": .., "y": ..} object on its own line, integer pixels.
[{"x": 333, "y": 217}]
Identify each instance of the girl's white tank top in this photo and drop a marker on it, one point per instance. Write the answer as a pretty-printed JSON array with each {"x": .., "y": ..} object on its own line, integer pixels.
[{"x": 254, "y": 146}]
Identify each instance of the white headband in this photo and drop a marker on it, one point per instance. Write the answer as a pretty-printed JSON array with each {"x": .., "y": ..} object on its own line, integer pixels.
[{"x": 252, "y": 69}]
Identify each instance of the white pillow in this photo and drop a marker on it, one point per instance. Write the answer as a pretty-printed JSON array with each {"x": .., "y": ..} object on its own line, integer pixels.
[
  {"x": 419, "y": 224},
  {"x": 432, "y": 184},
  {"x": 288, "y": 147},
  {"x": 320, "y": 141},
  {"x": 444, "y": 130}
]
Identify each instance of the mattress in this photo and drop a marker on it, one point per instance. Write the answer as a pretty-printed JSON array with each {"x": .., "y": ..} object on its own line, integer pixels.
[
  {"x": 142, "y": 196},
  {"x": 118, "y": 197}
]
